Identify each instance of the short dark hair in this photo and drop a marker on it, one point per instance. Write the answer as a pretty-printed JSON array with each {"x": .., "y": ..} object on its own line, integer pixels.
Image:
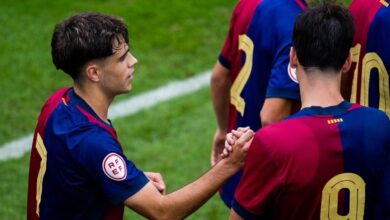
[
  {"x": 323, "y": 36},
  {"x": 85, "y": 37}
]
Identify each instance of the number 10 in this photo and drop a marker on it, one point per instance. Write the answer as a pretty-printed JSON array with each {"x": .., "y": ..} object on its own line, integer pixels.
[{"x": 370, "y": 61}]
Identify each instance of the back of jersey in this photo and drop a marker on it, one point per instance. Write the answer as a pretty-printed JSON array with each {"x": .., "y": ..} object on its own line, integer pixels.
[
  {"x": 365, "y": 140},
  {"x": 367, "y": 82},
  {"x": 328, "y": 163}
]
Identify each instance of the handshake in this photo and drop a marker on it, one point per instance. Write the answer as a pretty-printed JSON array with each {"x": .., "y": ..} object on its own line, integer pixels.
[{"x": 239, "y": 139}]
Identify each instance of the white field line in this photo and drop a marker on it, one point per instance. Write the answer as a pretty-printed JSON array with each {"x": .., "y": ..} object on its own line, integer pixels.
[{"x": 17, "y": 148}]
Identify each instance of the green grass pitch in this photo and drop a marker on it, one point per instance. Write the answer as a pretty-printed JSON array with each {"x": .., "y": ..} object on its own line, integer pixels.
[{"x": 172, "y": 39}]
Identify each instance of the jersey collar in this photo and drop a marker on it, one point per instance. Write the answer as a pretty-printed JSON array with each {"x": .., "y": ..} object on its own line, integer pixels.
[
  {"x": 78, "y": 101},
  {"x": 339, "y": 109}
]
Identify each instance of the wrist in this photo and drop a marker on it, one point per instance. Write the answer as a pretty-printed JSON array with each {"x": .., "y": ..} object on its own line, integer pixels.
[
  {"x": 221, "y": 133},
  {"x": 222, "y": 130},
  {"x": 229, "y": 168}
]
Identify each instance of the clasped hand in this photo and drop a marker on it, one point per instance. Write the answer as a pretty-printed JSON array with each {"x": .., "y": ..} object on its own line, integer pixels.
[{"x": 231, "y": 139}]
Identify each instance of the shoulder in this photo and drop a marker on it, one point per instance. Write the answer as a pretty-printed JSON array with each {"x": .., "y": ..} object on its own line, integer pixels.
[
  {"x": 276, "y": 16},
  {"x": 282, "y": 127},
  {"x": 58, "y": 95},
  {"x": 94, "y": 140},
  {"x": 371, "y": 116},
  {"x": 382, "y": 18},
  {"x": 369, "y": 112},
  {"x": 78, "y": 133},
  {"x": 244, "y": 6},
  {"x": 272, "y": 8},
  {"x": 56, "y": 98},
  {"x": 281, "y": 135},
  {"x": 53, "y": 101}
]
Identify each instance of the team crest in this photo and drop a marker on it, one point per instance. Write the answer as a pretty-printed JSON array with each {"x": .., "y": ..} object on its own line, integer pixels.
[
  {"x": 114, "y": 167},
  {"x": 292, "y": 73}
]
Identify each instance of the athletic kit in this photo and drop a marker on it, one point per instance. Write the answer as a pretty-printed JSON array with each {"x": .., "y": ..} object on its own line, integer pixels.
[
  {"x": 368, "y": 80},
  {"x": 78, "y": 169},
  {"x": 257, "y": 53},
  {"x": 319, "y": 162}
]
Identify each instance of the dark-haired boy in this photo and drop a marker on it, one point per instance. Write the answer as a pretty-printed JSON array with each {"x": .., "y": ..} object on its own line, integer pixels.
[{"x": 78, "y": 169}]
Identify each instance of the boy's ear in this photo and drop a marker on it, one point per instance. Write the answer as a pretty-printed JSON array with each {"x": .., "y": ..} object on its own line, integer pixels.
[
  {"x": 293, "y": 58},
  {"x": 92, "y": 72},
  {"x": 347, "y": 64}
]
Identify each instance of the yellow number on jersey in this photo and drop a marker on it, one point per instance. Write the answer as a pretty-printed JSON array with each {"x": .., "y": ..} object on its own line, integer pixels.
[
  {"x": 370, "y": 61},
  {"x": 43, "y": 154},
  {"x": 355, "y": 58},
  {"x": 245, "y": 44},
  {"x": 329, "y": 204}
]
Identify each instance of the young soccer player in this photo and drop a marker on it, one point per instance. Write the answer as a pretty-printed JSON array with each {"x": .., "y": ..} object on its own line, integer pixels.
[
  {"x": 252, "y": 83},
  {"x": 331, "y": 160},
  {"x": 78, "y": 169}
]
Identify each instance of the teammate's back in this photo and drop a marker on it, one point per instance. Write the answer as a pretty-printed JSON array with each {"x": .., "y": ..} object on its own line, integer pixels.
[
  {"x": 331, "y": 160},
  {"x": 368, "y": 82}
]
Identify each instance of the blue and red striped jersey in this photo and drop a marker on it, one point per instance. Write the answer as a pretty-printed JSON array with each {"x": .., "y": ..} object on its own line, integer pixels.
[
  {"x": 368, "y": 81},
  {"x": 77, "y": 166},
  {"x": 257, "y": 53},
  {"x": 324, "y": 162}
]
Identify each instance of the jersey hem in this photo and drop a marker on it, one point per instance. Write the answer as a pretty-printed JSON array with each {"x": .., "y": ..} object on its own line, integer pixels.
[
  {"x": 224, "y": 61},
  {"x": 283, "y": 93},
  {"x": 241, "y": 211}
]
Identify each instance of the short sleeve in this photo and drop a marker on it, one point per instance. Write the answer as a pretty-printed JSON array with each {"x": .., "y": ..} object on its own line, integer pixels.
[
  {"x": 259, "y": 183},
  {"x": 241, "y": 17},
  {"x": 230, "y": 46},
  {"x": 101, "y": 157},
  {"x": 282, "y": 82}
]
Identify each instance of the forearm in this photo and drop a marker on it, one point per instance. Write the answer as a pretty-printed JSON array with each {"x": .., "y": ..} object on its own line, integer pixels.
[
  {"x": 186, "y": 200},
  {"x": 220, "y": 94},
  {"x": 177, "y": 205},
  {"x": 275, "y": 109},
  {"x": 181, "y": 203}
]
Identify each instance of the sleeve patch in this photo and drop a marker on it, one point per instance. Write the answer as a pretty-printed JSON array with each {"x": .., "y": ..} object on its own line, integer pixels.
[
  {"x": 292, "y": 73},
  {"x": 114, "y": 167}
]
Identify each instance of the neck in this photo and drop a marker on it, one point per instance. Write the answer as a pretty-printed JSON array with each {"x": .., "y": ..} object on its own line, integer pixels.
[
  {"x": 320, "y": 89},
  {"x": 96, "y": 99}
]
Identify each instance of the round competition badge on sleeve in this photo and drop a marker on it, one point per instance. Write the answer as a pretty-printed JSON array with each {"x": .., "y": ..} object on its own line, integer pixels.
[
  {"x": 292, "y": 73},
  {"x": 114, "y": 167}
]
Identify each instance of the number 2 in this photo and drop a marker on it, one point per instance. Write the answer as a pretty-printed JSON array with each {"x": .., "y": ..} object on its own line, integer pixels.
[
  {"x": 245, "y": 44},
  {"x": 43, "y": 154}
]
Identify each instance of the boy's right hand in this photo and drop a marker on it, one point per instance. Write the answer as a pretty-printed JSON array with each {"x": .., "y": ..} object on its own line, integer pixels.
[
  {"x": 231, "y": 138},
  {"x": 237, "y": 152}
]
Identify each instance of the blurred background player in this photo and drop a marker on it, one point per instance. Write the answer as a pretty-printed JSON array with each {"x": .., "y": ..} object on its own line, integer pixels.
[
  {"x": 333, "y": 160},
  {"x": 252, "y": 83},
  {"x": 367, "y": 82},
  {"x": 77, "y": 167}
]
